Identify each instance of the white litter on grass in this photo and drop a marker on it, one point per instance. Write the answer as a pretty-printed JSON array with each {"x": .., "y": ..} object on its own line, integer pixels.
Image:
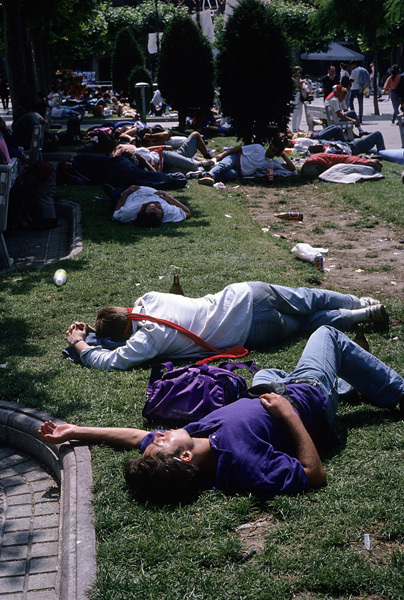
[
  {"x": 265, "y": 229},
  {"x": 174, "y": 267},
  {"x": 3, "y": 366},
  {"x": 228, "y": 216},
  {"x": 393, "y": 282},
  {"x": 137, "y": 284},
  {"x": 366, "y": 541},
  {"x": 359, "y": 271},
  {"x": 219, "y": 185},
  {"x": 306, "y": 252},
  {"x": 161, "y": 276}
]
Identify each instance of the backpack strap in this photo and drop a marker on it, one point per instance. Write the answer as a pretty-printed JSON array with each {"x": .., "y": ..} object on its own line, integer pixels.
[
  {"x": 235, "y": 352},
  {"x": 250, "y": 365},
  {"x": 156, "y": 373}
]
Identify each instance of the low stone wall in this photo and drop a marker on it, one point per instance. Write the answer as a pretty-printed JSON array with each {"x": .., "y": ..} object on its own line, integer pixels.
[{"x": 70, "y": 465}]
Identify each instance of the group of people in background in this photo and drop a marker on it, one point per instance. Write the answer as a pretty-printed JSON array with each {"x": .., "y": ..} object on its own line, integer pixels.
[{"x": 357, "y": 83}]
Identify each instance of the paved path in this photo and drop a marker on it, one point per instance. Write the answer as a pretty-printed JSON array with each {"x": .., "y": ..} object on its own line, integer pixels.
[
  {"x": 372, "y": 122},
  {"x": 29, "y": 529}
]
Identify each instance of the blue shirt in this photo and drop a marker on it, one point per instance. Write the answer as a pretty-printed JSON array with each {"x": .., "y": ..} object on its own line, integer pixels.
[{"x": 254, "y": 450}]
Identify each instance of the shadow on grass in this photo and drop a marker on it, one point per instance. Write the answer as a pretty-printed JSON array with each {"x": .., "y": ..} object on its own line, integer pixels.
[
  {"x": 21, "y": 282},
  {"x": 98, "y": 225},
  {"x": 30, "y": 389}
]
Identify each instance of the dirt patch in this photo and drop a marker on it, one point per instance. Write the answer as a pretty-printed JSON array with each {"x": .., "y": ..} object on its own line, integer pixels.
[
  {"x": 364, "y": 256},
  {"x": 253, "y": 534}
]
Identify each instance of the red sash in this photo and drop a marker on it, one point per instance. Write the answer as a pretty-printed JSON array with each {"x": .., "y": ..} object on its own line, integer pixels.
[{"x": 235, "y": 352}]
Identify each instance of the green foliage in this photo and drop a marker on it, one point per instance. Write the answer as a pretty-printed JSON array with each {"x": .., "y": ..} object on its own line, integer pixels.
[
  {"x": 95, "y": 30},
  {"x": 357, "y": 18},
  {"x": 185, "y": 73},
  {"x": 294, "y": 19},
  {"x": 254, "y": 72},
  {"x": 127, "y": 55}
]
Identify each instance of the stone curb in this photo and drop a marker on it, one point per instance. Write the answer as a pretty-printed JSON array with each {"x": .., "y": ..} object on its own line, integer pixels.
[
  {"x": 73, "y": 211},
  {"x": 70, "y": 465}
]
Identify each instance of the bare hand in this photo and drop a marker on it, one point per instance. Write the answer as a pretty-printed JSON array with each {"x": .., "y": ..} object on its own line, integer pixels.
[
  {"x": 132, "y": 188},
  {"x": 164, "y": 195},
  {"x": 56, "y": 434},
  {"x": 276, "y": 405},
  {"x": 76, "y": 332}
]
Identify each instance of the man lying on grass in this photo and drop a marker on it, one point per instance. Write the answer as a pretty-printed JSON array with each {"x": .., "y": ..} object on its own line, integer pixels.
[
  {"x": 267, "y": 443},
  {"x": 254, "y": 314}
]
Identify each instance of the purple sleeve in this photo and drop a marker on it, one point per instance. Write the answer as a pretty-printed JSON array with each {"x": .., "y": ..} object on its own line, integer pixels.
[{"x": 147, "y": 440}]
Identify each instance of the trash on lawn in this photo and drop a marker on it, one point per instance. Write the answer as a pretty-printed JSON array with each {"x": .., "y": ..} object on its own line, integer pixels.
[{"x": 306, "y": 252}]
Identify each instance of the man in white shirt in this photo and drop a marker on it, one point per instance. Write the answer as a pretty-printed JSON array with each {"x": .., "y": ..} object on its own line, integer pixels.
[
  {"x": 360, "y": 80},
  {"x": 253, "y": 314},
  {"x": 337, "y": 102},
  {"x": 249, "y": 161},
  {"x": 164, "y": 158},
  {"x": 146, "y": 207}
]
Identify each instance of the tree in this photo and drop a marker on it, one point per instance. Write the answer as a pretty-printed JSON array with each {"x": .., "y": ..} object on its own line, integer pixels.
[
  {"x": 366, "y": 19},
  {"x": 30, "y": 29},
  {"x": 185, "y": 72},
  {"x": 127, "y": 55},
  {"x": 294, "y": 19},
  {"x": 254, "y": 72}
]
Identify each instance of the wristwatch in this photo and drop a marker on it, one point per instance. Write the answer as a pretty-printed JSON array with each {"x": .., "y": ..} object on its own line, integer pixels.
[{"x": 75, "y": 341}]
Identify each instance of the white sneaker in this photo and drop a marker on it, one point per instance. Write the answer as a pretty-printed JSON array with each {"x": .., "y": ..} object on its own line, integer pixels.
[
  {"x": 368, "y": 301},
  {"x": 207, "y": 180},
  {"x": 194, "y": 174}
]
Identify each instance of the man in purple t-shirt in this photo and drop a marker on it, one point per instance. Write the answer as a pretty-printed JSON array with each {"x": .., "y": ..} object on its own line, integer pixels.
[{"x": 268, "y": 444}]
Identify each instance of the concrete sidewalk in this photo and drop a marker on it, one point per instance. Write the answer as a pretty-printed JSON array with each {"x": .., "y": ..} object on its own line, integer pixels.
[{"x": 371, "y": 122}]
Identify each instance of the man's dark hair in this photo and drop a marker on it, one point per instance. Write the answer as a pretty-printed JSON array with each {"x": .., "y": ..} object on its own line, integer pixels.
[
  {"x": 111, "y": 322},
  {"x": 279, "y": 142},
  {"x": 144, "y": 219},
  {"x": 163, "y": 479}
]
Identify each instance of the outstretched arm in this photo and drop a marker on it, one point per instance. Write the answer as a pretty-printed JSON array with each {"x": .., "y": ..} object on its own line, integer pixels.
[
  {"x": 171, "y": 200},
  {"x": 117, "y": 437},
  {"x": 234, "y": 150},
  {"x": 306, "y": 451}
]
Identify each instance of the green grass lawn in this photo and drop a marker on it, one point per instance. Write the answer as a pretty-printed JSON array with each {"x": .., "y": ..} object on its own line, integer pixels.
[{"x": 313, "y": 543}]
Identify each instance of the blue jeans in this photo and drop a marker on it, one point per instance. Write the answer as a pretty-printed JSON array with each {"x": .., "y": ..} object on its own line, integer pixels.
[
  {"x": 366, "y": 143},
  {"x": 226, "y": 169},
  {"x": 330, "y": 354},
  {"x": 332, "y": 132},
  {"x": 396, "y": 101},
  {"x": 353, "y": 115},
  {"x": 359, "y": 95},
  {"x": 279, "y": 312},
  {"x": 181, "y": 160}
]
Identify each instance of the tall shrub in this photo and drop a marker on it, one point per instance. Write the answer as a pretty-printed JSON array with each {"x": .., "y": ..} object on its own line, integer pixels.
[
  {"x": 126, "y": 56},
  {"x": 185, "y": 74},
  {"x": 254, "y": 72}
]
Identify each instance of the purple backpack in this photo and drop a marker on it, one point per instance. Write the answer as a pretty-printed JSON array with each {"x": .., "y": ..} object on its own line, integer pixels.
[{"x": 187, "y": 394}]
